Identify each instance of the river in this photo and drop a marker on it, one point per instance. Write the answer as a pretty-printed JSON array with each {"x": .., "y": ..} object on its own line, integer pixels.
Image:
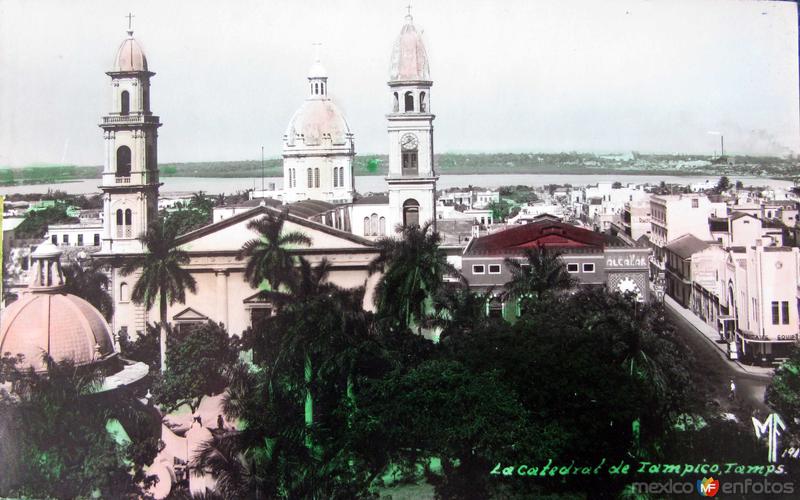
[{"x": 374, "y": 183}]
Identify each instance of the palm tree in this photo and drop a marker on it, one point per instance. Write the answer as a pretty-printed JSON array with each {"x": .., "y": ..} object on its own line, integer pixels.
[
  {"x": 162, "y": 275},
  {"x": 540, "y": 274},
  {"x": 459, "y": 309},
  {"x": 413, "y": 268},
  {"x": 90, "y": 284},
  {"x": 269, "y": 258}
]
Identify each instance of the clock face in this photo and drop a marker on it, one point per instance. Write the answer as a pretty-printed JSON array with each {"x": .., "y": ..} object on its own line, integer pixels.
[{"x": 409, "y": 142}]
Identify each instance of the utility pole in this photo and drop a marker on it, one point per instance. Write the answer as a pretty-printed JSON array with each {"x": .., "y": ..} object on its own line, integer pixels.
[
  {"x": 262, "y": 171},
  {"x": 721, "y": 145}
]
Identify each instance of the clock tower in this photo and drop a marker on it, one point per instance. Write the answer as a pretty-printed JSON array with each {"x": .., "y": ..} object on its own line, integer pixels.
[{"x": 411, "y": 179}]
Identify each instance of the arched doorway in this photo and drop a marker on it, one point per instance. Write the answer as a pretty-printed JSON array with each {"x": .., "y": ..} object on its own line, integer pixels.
[
  {"x": 411, "y": 212},
  {"x": 123, "y": 161}
]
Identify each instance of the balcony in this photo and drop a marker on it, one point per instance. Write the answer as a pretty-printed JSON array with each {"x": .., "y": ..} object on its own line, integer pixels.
[
  {"x": 139, "y": 177},
  {"x": 130, "y": 120},
  {"x": 122, "y": 180}
]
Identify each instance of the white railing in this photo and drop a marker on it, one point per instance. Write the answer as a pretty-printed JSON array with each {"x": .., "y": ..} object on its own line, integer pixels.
[
  {"x": 129, "y": 119},
  {"x": 123, "y": 180}
]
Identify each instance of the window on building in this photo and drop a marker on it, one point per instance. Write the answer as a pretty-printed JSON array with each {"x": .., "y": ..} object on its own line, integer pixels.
[
  {"x": 572, "y": 268},
  {"x": 409, "y": 101},
  {"x": 120, "y": 224},
  {"x": 373, "y": 224},
  {"x": 382, "y": 226},
  {"x": 335, "y": 176},
  {"x": 316, "y": 177},
  {"x": 478, "y": 269},
  {"x": 411, "y": 212},
  {"x": 65, "y": 239},
  {"x": 123, "y": 161},
  {"x": 341, "y": 176},
  {"x": 310, "y": 178},
  {"x": 423, "y": 102},
  {"x": 80, "y": 240},
  {"x": 588, "y": 268},
  {"x": 54, "y": 239},
  {"x": 695, "y": 203},
  {"x": 776, "y": 315},
  {"x": 96, "y": 239},
  {"x": 410, "y": 163},
  {"x": 128, "y": 223},
  {"x": 125, "y": 103},
  {"x": 494, "y": 268},
  {"x": 366, "y": 226},
  {"x": 785, "y": 312},
  {"x": 396, "y": 106},
  {"x": 123, "y": 292}
]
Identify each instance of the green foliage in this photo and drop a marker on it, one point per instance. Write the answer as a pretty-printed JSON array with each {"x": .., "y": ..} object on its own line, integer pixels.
[
  {"x": 162, "y": 273},
  {"x": 722, "y": 185},
  {"x": 197, "y": 361},
  {"x": 539, "y": 276},
  {"x": 413, "y": 269},
  {"x": 91, "y": 284},
  {"x": 500, "y": 210},
  {"x": 144, "y": 348},
  {"x": 198, "y": 212},
  {"x": 783, "y": 393},
  {"x": 269, "y": 258},
  {"x": 62, "y": 448},
  {"x": 36, "y": 222},
  {"x": 616, "y": 185},
  {"x": 519, "y": 194}
]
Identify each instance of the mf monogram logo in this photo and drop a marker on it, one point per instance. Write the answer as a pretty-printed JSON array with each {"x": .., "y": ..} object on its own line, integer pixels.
[{"x": 771, "y": 428}]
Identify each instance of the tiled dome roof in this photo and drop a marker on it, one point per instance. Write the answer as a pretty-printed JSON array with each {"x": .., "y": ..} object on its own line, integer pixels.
[
  {"x": 130, "y": 56},
  {"x": 47, "y": 321},
  {"x": 409, "y": 58}
]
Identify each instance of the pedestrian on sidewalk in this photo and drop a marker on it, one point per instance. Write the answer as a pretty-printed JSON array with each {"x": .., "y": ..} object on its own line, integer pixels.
[{"x": 732, "y": 394}]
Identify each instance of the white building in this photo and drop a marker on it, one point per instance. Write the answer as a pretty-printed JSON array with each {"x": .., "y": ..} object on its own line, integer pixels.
[
  {"x": 318, "y": 148},
  {"x": 86, "y": 233},
  {"x": 342, "y": 233},
  {"x": 672, "y": 216}
]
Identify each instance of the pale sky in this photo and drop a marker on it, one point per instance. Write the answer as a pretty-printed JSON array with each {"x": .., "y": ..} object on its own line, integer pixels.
[{"x": 509, "y": 76}]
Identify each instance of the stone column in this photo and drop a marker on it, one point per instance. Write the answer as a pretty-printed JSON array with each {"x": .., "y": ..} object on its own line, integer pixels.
[{"x": 222, "y": 297}]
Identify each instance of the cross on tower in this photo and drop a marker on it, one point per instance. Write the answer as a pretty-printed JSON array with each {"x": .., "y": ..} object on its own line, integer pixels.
[
  {"x": 409, "y": 9},
  {"x": 130, "y": 21}
]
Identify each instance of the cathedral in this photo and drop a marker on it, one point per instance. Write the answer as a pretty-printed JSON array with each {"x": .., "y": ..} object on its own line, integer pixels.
[{"x": 318, "y": 190}]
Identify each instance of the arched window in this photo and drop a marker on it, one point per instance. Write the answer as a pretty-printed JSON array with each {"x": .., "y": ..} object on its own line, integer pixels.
[
  {"x": 382, "y": 227},
  {"x": 123, "y": 161},
  {"x": 411, "y": 212},
  {"x": 373, "y": 225},
  {"x": 316, "y": 88},
  {"x": 128, "y": 223},
  {"x": 124, "y": 294},
  {"x": 335, "y": 176},
  {"x": 310, "y": 178},
  {"x": 125, "y": 103},
  {"x": 120, "y": 223},
  {"x": 409, "y": 101},
  {"x": 366, "y": 226},
  {"x": 341, "y": 176},
  {"x": 316, "y": 177},
  {"x": 396, "y": 106},
  {"x": 423, "y": 103}
]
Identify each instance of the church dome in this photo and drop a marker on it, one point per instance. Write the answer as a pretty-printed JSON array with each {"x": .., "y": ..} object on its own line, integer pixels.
[
  {"x": 317, "y": 71},
  {"x": 130, "y": 56},
  {"x": 318, "y": 122},
  {"x": 46, "y": 320},
  {"x": 409, "y": 58}
]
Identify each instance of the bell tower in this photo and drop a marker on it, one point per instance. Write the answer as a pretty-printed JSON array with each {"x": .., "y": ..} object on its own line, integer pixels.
[
  {"x": 130, "y": 174},
  {"x": 411, "y": 179}
]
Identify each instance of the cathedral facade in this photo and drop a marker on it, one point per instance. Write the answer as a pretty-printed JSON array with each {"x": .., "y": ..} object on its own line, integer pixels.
[{"x": 319, "y": 191}]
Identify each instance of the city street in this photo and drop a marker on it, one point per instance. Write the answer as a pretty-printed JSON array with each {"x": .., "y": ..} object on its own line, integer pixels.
[{"x": 717, "y": 371}]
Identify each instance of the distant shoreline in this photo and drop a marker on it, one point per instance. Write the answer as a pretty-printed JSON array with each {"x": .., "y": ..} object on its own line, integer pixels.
[{"x": 450, "y": 164}]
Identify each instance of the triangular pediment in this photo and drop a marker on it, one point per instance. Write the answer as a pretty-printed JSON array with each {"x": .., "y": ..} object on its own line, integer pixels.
[
  {"x": 190, "y": 314},
  {"x": 229, "y": 235},
  {"x": 256, "y": 298}
]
